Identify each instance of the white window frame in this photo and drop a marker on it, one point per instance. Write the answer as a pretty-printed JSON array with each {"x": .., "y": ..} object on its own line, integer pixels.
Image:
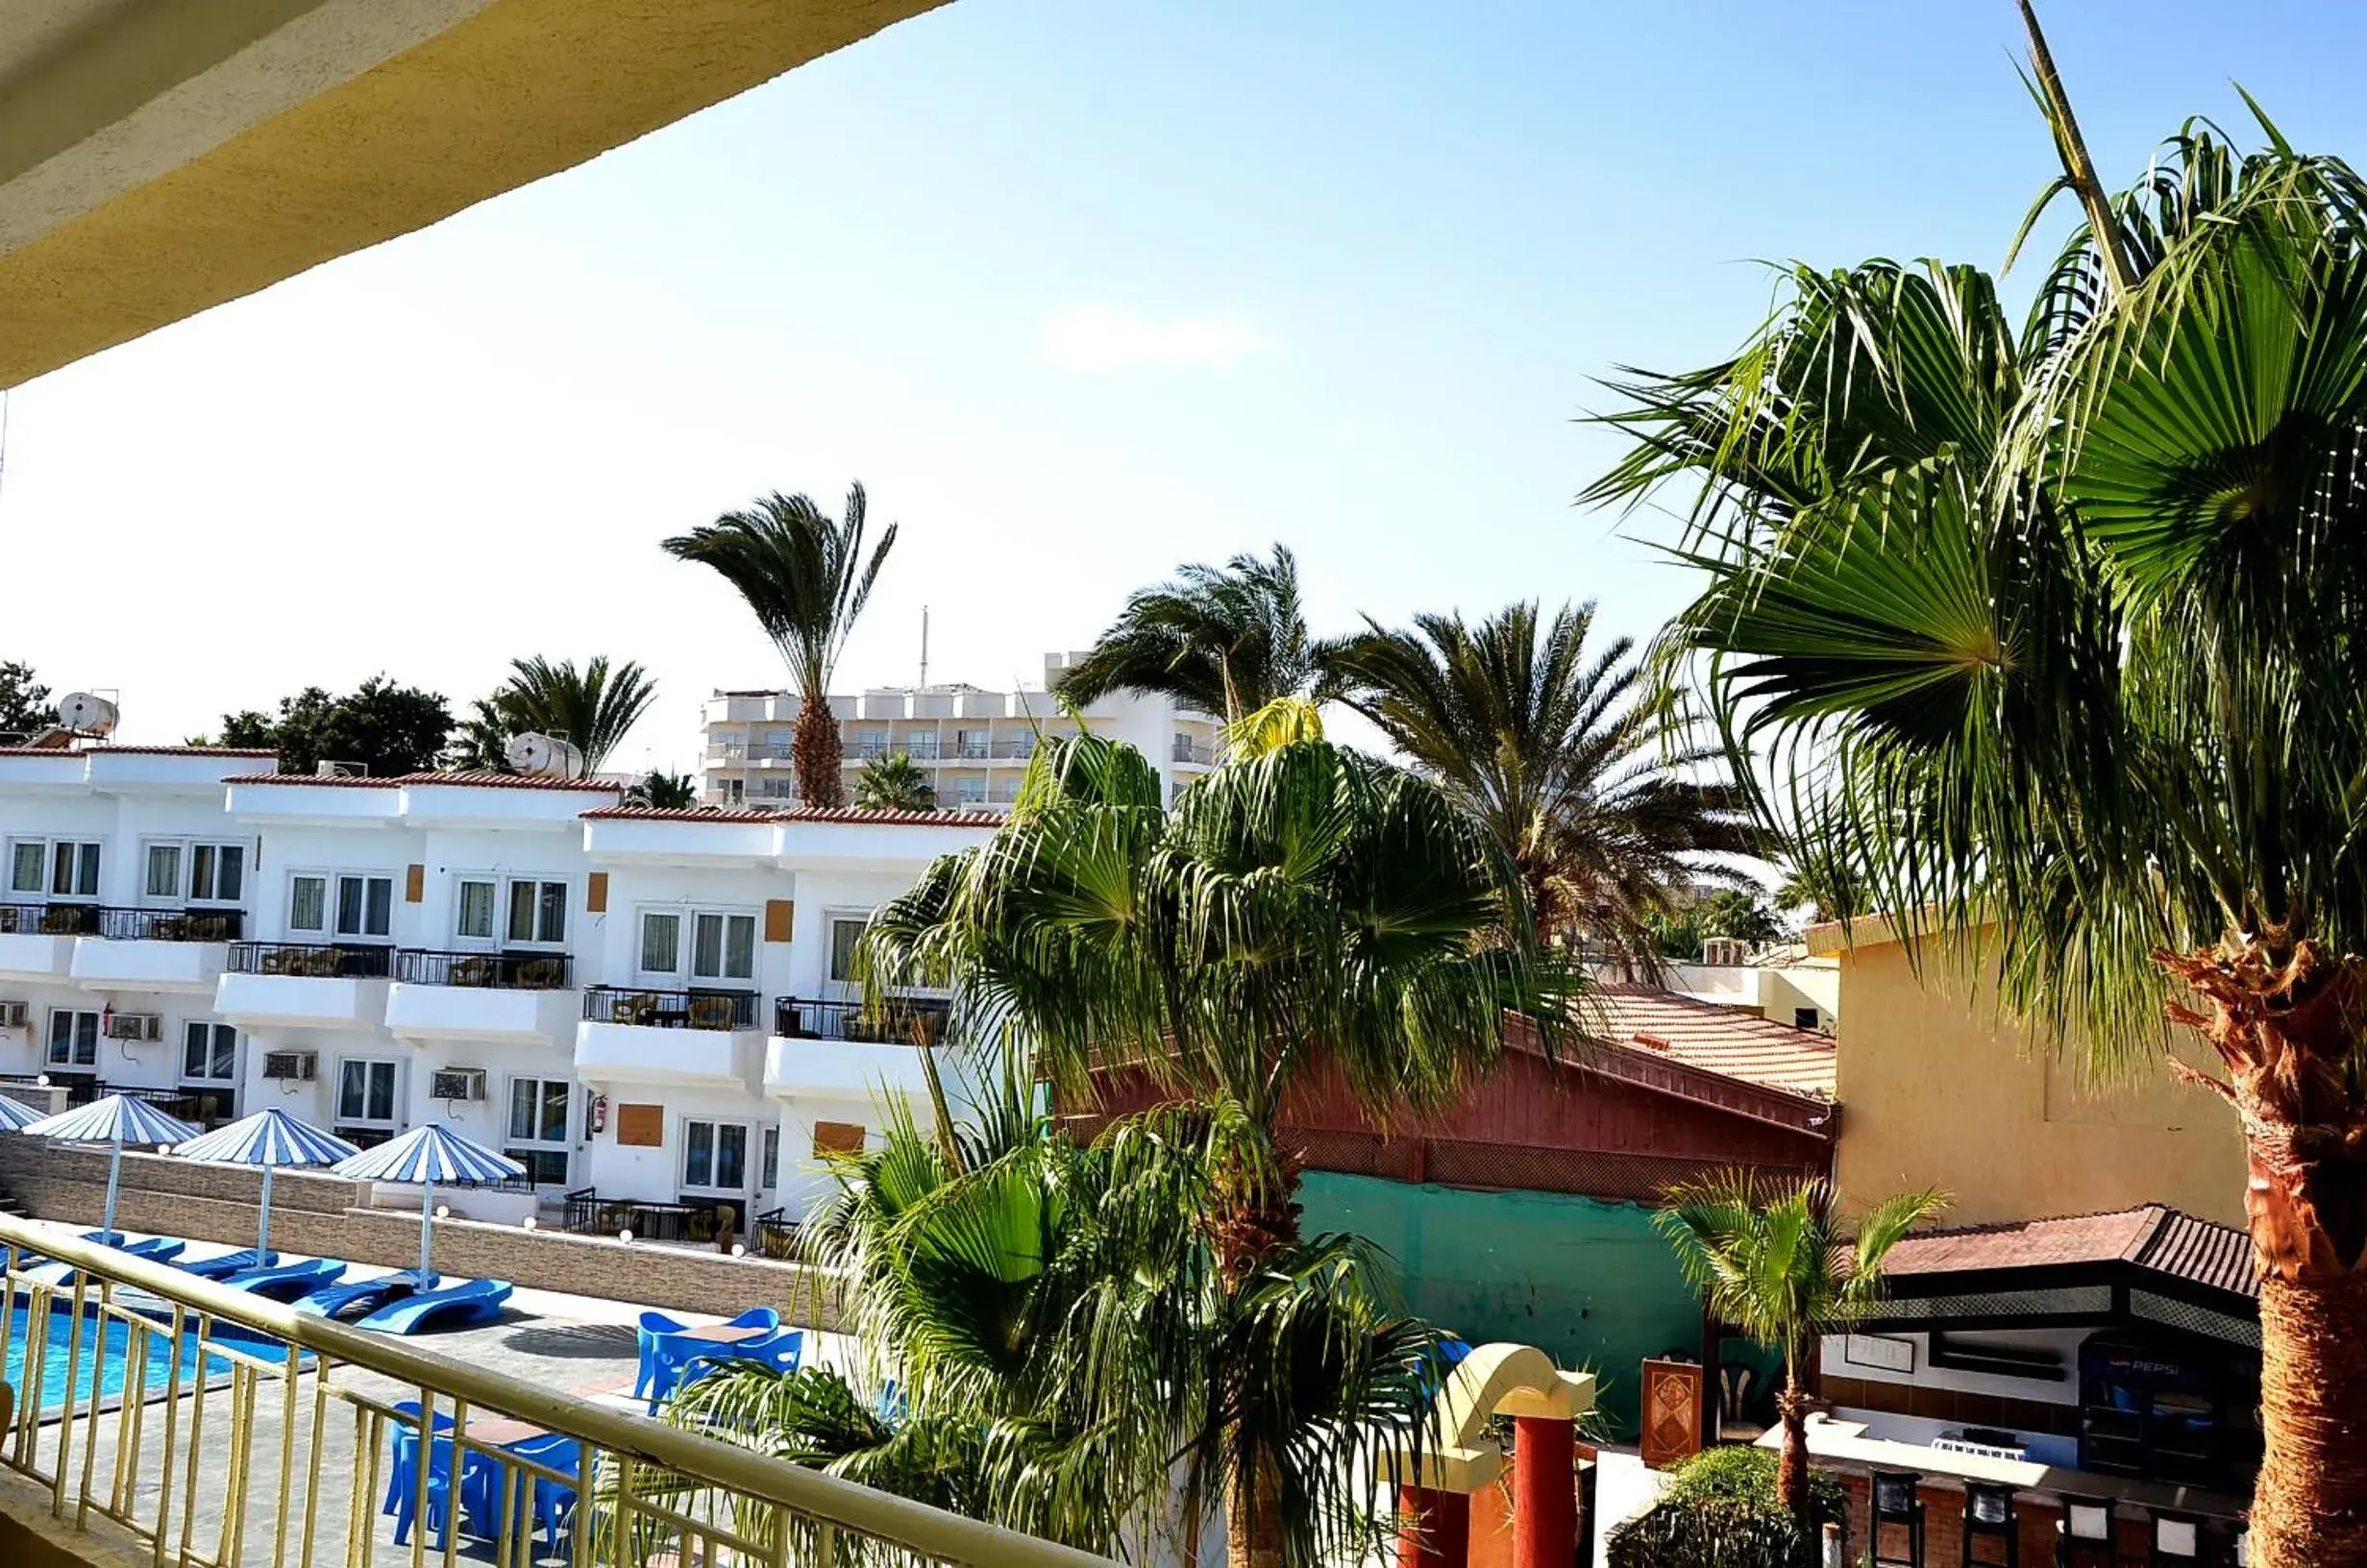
[
  {"x": 685, "y": 972},
  {"x": 332, "y": 880},
  {"x": 72, "y": 1060},
  {"x": 750, "y": 1147},
  {"x": 831, "y": 921},
  {"x": 491, "y": 936},
  {"x": 214, "y": 1029},
  {"x": 563, "y": 1145},
  {"x": 542, "y": 884},
  {"x": 393, "y": 1120},
  {"x": 95, "y": 861},
  {"x": 185, "y": 875}
]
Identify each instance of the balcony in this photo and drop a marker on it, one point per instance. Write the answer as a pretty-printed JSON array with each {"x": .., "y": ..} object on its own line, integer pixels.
[
  {"x": 521, "y": 996},
  {"x": 304, "y": 984},
  {"x": 37, "y": 941},
  {"x": 630, "y": 1035},
  {"x": 156, "y": 949},
  {"x": 1019, "y": 748},
  {"x": 1196, "y": 752},
  {"x": 834, "y": 1050},
  {"x": 919, "y": 1021}
]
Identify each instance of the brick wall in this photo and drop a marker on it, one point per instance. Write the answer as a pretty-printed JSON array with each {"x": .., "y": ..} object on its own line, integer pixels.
[
  {"x": 321, "y": 1216},
  {"x": 1943, "y": 1529}
]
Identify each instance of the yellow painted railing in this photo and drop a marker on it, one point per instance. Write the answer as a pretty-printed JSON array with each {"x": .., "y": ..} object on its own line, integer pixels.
[{"x": 271, "y": 1439}]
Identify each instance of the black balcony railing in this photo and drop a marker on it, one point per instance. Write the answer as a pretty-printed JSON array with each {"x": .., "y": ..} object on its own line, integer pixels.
[
  {"x": 919, "y": 1021},
  {"x": 49, "y": 919},
  {"x": 587, "y": 1212},
  {"x": 311, "y": 960},
  {"x": 486, "y": 971},
  {"x": 670, "y": 1009},
  {"x": 776, "y": 1235},
  {"x": 172, "y": 924}
]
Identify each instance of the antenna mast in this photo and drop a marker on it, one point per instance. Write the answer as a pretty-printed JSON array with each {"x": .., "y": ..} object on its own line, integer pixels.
[{"x": 925, "y": 646}]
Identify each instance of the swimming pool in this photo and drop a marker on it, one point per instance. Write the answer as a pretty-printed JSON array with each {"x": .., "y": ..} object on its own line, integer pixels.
[{"x": 105, "y": 1359}]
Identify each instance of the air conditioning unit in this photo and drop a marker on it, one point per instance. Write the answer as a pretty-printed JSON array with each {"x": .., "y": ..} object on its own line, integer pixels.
[
  {"x": 13, "y": 1015},
  {"x": 290, "y": 1066},
  {"x": 136, "y": 1027},
  {"x": 458, "y": 1084}
]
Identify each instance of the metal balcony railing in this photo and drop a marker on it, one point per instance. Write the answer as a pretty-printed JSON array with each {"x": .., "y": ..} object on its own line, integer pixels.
[
  {"x": 172, "y": 924},
  {"x": 488, "y": 971},
  {"x": 1188, "y": 749},
  {"x": 49, "y": 919},
  {"x": 255, "y": 1434},
  {"x": 693, "y": 1009},
  {"x": 1020, "y": 749},
  {"x": 919, "y": 1021},
  {"x": 588, "y": 1212},
  {"x": 311, "y": 960}
]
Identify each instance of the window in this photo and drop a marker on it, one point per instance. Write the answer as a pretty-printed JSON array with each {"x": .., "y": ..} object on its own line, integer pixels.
[
  {"x": 970, "y": 791},
  {"x": 365, "y": 905},
  {"x": 307, "y": 903},
  {"x": 62, "y": 868},
  {"x": 845, "y": 932},
  {"x": 538, "y": 911},
  {"x": 768, "y": 1166},
  {"x": 661, "y": 943},
  {"x": 1804, "y": 1018},
  {"x": 208, "y": 1053},
  {"x": 723, "y": 948},
  {"x": 366, "y": 1101},
  {"x": 735, "y": 791},
  {"x": 475, "y": 921},
  {"x": 73, "y": 1038},
  {"x": 205, "y": 874},
  {"x": 715, "y": 1156},
  {"x": 538, "y": 1128}
]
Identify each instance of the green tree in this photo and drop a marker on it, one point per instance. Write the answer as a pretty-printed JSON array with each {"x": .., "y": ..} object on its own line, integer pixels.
[
  {"x": 25, "y": 709},
  {"x": 894, "y": 783},
  {"x": 673, "y": 792},
  {"x": 385, "y": 728},
  {"x": 1225, "y": 640},
  {"x": 1307, "y": 904},
  {"x": 1808, "y": 888},
  {"x": 1738, "y": 915},
  {"x": 2051, "y": 633},
  {"x": 1584, "y": 771},
  {"x": 592, "y": 709},
  {"x": 1777, "y": 1267},
  {"x": 807, "y": 578}
]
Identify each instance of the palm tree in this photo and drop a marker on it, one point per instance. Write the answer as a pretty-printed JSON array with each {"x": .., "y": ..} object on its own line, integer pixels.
[
  {"x": 592, "y": 709},
  {"x": 1225, "y": 640},
  {"x": 1775, "y": 1266},
  {"x": 807, "y": 578},
  {"x": 1307, "y": 904},
  {"x": 2054, "y": 634},
  {"x": 671, "y": 792},
  {"x": 894, "y": 783},
  {"x": 1576, "y": 764}
]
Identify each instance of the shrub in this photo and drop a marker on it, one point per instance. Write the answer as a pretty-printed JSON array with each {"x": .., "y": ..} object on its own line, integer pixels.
[{"x": 1720, "y": 1512}]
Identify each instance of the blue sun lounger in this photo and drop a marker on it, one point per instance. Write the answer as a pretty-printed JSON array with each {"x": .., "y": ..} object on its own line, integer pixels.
[
  {"x": 222, "y": 1267},
  {"x": 287, "y": 1280},
  {"x": 157, "y": 1249},
  {"x": 455, "y": 1307},
  {"x": 358, "y": 1298}
]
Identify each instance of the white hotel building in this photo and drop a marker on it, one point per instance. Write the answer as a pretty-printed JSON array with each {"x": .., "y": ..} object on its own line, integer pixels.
[
  {"x": 974, "y": 744},
  {"x": 649, "y": 1006}
]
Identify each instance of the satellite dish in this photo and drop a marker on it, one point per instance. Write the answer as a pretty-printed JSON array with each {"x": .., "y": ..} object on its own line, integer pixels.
[
  {"x": 86, "y": 713},
  {"x": 543, "y": 756}
]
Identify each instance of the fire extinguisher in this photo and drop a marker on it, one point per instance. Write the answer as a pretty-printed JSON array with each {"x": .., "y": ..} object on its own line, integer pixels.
[{"x": 600, "y": 1113}]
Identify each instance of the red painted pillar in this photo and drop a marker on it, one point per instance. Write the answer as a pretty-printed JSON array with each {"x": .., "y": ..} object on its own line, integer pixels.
[
  {"x": 1544, "y": 1493},
  {"x": 1437, "y": 1530}
]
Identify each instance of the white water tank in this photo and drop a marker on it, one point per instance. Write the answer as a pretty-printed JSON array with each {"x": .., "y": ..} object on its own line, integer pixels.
[
  {"x": 545, "y": 756},
  {"x": 86, "y": 714}
]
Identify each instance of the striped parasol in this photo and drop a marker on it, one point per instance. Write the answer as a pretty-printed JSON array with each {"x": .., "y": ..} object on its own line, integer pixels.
[
  {"x": 270, "y": 1139},
  {"x": 15, "y": 1115},
  {"x": 428, "y": 1155},
  {"x": 115, "y": 1120}
]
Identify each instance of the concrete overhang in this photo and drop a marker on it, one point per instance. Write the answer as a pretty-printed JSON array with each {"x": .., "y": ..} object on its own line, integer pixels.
[{"x": 157, "y": 159}]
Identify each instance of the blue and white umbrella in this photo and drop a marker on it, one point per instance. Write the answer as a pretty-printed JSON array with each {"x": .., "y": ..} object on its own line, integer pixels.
[
  {"x": 15, "y": 1115},
  {"x": 270, "y": 1139},
  {"x": 116, "y": 1120},
  {"x": 428, "y": 1155}
]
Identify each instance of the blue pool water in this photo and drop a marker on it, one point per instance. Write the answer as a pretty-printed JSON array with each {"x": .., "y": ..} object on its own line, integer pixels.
[{"x": 107, "y": 1357}]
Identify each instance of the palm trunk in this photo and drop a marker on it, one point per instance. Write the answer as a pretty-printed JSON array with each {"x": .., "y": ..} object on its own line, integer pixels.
[
  {"x": 2286, "y": 1028},
  {"x": 1253, "y": 1516},
  {"x": 1791, "y": 1490},
  {"x": 1253, "y": 1219},
  {"x": 818, "y": 755}
]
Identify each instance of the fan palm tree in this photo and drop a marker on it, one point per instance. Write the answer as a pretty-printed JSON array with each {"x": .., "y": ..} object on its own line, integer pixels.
[
  {"x": 1575, "y": 761},
  {"x": 807, "y": 578},
  {"x": 894, "y": 783},
  {"x": 592, "y": 709},
  {"x": 673, "y": 792},
  {"x": 1776, "y": 1265},
  {"x": 2054, "y": 634},
  {"x": 1225, "y": 640},
  {"x": 1309, "y": 904}
]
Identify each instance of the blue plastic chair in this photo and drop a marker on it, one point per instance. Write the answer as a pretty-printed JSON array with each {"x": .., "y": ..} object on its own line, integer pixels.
[
  {"x": 766, "y": 1318},
  {"x": 403, "y": 1481},
  {"x": 778, "y": 1353},
  {"x": 652, "y": 1328},
  {"x": 547, "y": 1503}
]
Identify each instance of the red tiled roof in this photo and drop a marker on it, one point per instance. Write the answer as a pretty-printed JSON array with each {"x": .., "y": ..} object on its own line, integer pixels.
[
  {"x": 1720, "y": 1040},
  {"x": 186, "y": 751},
  {"x": 2151, "y": 1236},
  {"x": 799, "y": 813},
  {"x": 474, "y": 780}
]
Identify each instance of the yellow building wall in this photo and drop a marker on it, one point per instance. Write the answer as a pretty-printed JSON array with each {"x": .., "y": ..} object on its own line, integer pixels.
[{"x": 1936, "y": 1091}]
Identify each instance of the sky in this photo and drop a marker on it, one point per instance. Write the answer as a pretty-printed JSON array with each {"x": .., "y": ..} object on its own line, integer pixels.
[{"x": 1079, "y": 289}]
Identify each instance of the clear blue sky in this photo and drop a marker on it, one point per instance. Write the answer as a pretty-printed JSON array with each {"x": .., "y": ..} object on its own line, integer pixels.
[{"x": 1080, "y": 290}]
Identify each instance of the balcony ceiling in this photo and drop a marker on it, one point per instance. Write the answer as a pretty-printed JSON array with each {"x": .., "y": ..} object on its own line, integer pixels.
[{"x": 156, "y": 159}]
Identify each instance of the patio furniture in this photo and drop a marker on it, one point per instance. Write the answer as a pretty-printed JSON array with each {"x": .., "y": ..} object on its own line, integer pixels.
[
  {"x": 1897, "y": 1504},
  {"x": 403, "y": 1476},
  {"x": 1989, "y": 1518},
  {"x": 1734, "y": 1382},
  {"x": 288, "y": 1281},
  {"x": 776, "y": 1353},
  {"x": 2084, "y": 1532},
  {"x": 223, "y": 1264},
  {"x": 668, "y": 1348},
  {"x": 367, "y": 1296},
  {"x": 453, "y": 1306}
]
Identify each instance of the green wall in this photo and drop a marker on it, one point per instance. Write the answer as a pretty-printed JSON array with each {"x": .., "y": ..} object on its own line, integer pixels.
[{"x": 1589, "y": 1283}]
